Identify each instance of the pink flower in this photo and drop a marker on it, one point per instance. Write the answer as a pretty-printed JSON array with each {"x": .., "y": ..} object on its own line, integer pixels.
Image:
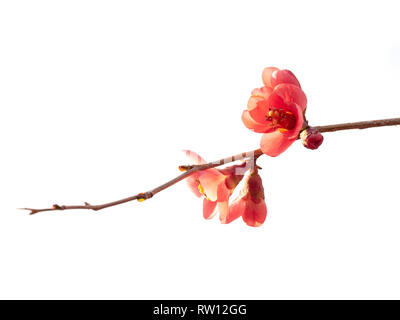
[
  {"x": 250, "y": 204},
  {"x": 276, "y": 110},
  {"x": 215, "y": 186}
]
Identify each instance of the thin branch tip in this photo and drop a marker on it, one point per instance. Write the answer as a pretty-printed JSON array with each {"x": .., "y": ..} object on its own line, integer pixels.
[{"x": 32, "y": 211}]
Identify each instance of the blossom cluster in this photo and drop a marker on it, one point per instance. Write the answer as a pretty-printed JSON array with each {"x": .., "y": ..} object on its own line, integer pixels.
[{"x": 277, "y": 110}]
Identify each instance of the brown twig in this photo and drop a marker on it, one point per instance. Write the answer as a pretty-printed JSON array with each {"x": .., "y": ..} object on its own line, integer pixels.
[
  {"x": 149, "y": 194},
  {"x": 359, "y": 125},
  {"x": 190, "y": 169}
]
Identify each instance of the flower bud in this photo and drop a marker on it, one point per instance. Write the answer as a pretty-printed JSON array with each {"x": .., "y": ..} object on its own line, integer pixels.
[
  {"x": 250, "y": 204},
  {"x": 311, "y": 138}
]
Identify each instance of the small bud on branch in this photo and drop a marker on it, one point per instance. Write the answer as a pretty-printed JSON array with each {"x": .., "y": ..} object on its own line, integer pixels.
[{"x": 311, "y": 138}]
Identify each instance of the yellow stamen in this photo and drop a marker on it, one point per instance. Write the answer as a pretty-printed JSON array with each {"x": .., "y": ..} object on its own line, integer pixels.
[{"x": 201, "y": 189}]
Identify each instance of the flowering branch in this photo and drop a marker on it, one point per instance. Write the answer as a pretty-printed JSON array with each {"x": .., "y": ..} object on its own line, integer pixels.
[
  {"x": 250, "y": 156},
  {"x": 149, "y": 194}
]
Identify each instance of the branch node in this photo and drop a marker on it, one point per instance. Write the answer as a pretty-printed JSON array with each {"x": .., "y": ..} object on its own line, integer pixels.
[{"x": 144, "y": 196}]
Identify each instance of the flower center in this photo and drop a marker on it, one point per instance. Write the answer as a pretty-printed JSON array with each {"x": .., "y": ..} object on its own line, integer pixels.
[{"x": 281, "y": 119}]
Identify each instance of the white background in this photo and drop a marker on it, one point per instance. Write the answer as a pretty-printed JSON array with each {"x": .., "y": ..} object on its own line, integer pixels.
[{"x": 98, "y": 98}]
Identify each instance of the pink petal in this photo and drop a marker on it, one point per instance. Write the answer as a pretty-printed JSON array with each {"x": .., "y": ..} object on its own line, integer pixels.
[
  {"x": 194, "y": 157},
  {"x": 274, "y": 143},
  {"x": 236, "y": 210},
  {"x": 255, "y": 214},
  {"x": 223, "y": 208},
  {"x": 258, "y": 108},
  {"x": 223, "y": 192},
  {"x": 211, "y": 180},
  {"x": 209, "y": 209},
  {"x": 267, "y": 76},
  {"x": 284, "y": 76},
  {"x": 291, "y": 94},
  {"x": 251, "y": 124},
  {"x": 253, "y": 102},
  {"x": 193, "y": 185},
  {"x": 254, "y": 188},
  {"x": 276, "y": 102},
  {"x": 263, "y": 92}
]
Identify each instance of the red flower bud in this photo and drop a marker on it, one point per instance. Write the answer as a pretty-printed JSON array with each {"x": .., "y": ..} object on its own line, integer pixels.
[{"x": 311, "y": 138}]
